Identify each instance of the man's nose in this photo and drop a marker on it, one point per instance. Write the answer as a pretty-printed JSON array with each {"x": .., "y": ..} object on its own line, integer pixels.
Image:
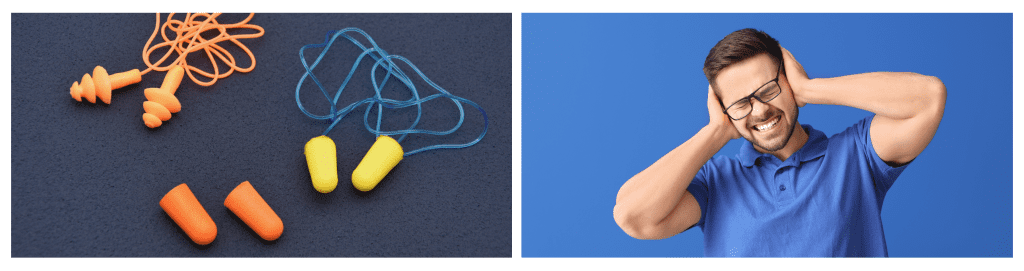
[{"x": 758, "y": 109}]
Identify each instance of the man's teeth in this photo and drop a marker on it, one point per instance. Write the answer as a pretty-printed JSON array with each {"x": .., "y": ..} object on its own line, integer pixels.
[{"x": 767, "y": 125}]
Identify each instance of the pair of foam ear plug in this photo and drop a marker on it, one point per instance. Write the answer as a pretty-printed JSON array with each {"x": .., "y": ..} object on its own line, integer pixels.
[
  {"x": 183, "y": 207},
  {"x": 161, "y": 100},
  {"x": 322, "y": 159}
]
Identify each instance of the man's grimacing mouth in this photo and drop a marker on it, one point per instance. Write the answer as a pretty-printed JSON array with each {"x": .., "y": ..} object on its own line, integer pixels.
[{"x": 768, "y": 125}]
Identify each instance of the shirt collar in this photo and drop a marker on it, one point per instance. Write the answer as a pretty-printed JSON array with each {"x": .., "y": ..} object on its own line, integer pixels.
[{"x": 813, "y": 148}]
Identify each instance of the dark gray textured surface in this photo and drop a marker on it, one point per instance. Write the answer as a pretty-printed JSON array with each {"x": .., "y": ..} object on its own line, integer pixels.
[{"x": 86, "y": 179}]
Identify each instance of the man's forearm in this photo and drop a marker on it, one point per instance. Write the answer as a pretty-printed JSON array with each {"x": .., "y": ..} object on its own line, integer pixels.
[
  {"x": 648, "y": 198},
  {"x": 894, "y": 95}
]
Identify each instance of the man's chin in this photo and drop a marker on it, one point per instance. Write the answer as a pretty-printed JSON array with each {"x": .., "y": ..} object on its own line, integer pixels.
[
  {"x": 770, "y": 144},
  {"x": 770, "y": 147}
]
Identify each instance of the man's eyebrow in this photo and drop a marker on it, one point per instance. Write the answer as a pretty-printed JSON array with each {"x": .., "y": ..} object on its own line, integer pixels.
[
  {"x": 765, "y": 84},
  {"x": 733, "y": 102}
]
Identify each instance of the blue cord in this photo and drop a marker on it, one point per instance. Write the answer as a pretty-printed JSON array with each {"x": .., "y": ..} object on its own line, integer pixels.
[{"x": 385, "y": 61}]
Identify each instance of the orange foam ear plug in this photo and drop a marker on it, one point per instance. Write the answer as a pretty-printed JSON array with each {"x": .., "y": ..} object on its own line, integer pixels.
[
  {"x": 254, "y": 211},
  {"x": 161, "y": 100},
  {"x": 100, "y": 84},
  {"x": 183, "y": 207}
]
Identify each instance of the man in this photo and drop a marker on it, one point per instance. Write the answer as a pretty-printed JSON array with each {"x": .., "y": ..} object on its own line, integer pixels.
[{"x": 791, "y": 191}]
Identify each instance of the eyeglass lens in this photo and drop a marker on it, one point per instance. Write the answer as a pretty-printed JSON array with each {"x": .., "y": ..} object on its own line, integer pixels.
[{"x": 765, "y": 94}]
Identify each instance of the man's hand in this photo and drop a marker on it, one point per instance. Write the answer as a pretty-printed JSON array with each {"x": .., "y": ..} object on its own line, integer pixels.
[
  {"x": 907, "y": 106},
  {"x": 719, "y": 120},
  {"x": 655, "y": 203},
  {"x": 796, "y": 76}
]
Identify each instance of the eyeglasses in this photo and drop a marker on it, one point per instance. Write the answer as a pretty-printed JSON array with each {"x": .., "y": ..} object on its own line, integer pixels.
[{"x": 766, "y": 93}]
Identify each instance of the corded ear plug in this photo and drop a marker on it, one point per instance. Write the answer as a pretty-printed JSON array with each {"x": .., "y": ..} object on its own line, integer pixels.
[
  {"x": 161, "y": 101},
  {"x": 386, "y": 152},
  {"x": 188, "y": 40},
  {"x": 100, "y": 84},
  {"x": 322, "y": 159},
  {"x": 379, "y": 160}
]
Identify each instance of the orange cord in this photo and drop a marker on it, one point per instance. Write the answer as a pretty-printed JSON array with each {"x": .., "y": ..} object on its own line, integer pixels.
[{"x": 188, "y": 40}]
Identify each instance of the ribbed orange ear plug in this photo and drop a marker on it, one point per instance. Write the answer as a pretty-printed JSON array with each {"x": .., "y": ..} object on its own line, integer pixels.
[
  {"x": 100, "y": 84},
  {"x": 254, "y": 211},
  {"x": 183, "y": 207},
  {"x": 161, "y": 100}
]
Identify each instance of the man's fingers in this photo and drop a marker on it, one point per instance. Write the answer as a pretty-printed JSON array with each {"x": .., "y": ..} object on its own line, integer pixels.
[
  {"x": 712, "y": 99},
  {"x": 793, "y": 67},
  {"x": 788, "y": 57}
]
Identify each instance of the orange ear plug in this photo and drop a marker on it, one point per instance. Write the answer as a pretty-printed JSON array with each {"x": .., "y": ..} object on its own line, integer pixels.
[
  {"x": 101, "y": 84},
  {"x": 254, "y": 211},
  {"x": 379, "y": 160},
  {"x": 185, "y": 210},
  {"x": 161, "y": 100}
]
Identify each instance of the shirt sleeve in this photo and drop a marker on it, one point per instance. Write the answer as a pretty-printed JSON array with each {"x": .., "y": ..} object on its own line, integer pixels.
[
  {"x": 699, "y": 189},
  {"x": 882, "y": 173}
]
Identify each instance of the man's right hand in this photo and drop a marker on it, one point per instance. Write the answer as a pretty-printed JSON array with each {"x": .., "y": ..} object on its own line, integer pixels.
[{"x": 719, "y": 120}]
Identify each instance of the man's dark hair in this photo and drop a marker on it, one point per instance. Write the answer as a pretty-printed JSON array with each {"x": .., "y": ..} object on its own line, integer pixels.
[{"x": 738, "y": 46}]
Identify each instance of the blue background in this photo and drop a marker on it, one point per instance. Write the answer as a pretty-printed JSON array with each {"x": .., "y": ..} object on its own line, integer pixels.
[{"x": 606, "y": 95}]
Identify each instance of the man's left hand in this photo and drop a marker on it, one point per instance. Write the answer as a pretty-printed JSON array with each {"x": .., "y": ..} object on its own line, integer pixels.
[{"x": 796, "y": 76}]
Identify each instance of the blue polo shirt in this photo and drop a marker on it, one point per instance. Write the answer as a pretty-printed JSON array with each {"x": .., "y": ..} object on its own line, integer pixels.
[{"x": 825, "y": 200}]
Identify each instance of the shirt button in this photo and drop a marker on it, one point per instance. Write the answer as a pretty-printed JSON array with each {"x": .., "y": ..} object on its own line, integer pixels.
[{"x": 782, "y": 187}]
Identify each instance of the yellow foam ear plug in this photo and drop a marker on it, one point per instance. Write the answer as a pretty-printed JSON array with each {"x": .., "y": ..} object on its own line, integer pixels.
[
  {"x": 382, "y": 157},
  {"x": 322, "y": 158}
]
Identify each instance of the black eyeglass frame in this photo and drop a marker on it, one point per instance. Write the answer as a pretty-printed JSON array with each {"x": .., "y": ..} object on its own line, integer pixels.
[{"x": 778, "y": 73}]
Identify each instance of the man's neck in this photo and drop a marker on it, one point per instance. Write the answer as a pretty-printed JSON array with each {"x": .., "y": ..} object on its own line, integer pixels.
[{"x": 796, "y": 141}]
